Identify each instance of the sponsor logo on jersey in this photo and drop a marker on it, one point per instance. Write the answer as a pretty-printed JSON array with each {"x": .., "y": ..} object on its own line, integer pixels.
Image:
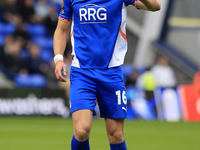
[{"x": 92, "y": 13}]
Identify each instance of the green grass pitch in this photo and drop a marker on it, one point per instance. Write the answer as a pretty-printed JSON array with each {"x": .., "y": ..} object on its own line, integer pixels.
[{"x": 54, "y": 133}]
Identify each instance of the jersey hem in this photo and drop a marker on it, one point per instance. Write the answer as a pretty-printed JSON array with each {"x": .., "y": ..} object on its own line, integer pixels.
[{"x": 97, "y": 67}]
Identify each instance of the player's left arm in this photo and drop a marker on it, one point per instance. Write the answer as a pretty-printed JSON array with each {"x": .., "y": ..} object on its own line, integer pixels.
[{"x": 151, "y": 5}]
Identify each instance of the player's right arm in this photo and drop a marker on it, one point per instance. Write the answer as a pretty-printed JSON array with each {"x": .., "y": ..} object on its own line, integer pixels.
[
  {"x": 151, "y": 5},
  {"x": 61, "y": 37}
]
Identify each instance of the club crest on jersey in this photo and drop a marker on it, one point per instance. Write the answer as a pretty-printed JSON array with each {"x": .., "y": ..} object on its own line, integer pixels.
[{"x": 92, "y": 13}]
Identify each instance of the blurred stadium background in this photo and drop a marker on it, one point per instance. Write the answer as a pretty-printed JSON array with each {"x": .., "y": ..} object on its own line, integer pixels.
[{"x": 161, "y": 74}]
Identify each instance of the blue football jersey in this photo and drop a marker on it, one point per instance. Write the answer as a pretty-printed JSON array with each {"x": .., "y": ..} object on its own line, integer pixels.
[{"x": 98, "y": 31}]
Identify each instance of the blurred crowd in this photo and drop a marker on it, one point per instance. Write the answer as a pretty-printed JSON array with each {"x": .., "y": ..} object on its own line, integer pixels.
[
  {"x": 26, "y": 43},
  {"x": 19, "y": 12},
  {"x": 160, "y": 75}
]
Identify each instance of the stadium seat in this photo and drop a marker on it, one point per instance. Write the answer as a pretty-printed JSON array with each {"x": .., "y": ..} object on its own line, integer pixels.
[
  {"x": 36, "y": 30},
  {"x": 127, "y": 70},
  {"x": 31, "y": 81},
  {"x": 24, "y": 54},
  {"x": 142, "y": 70},
  {"x": 46, "y": 56},
  {"x": 7, "y": 28},
  {"x": 44, "y": 42},
  {"x": 58, "y": 5},
  {"x": 2, "y": 39}
]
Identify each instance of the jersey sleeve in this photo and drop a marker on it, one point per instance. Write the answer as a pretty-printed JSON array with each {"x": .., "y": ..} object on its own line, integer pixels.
[
  {"x": 66, "y": 11},
  {"x": 131, "y": 2}
]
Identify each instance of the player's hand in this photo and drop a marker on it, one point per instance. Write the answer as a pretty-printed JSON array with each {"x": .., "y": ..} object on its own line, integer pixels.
[{"x": 60, "y": 66}]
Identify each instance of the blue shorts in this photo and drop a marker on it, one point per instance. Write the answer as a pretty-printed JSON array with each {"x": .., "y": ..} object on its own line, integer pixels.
[{"x": 105, "y": 86}]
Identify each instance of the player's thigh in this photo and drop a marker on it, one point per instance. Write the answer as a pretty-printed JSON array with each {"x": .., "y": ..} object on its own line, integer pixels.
[{"x": 82, "y": 120}]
